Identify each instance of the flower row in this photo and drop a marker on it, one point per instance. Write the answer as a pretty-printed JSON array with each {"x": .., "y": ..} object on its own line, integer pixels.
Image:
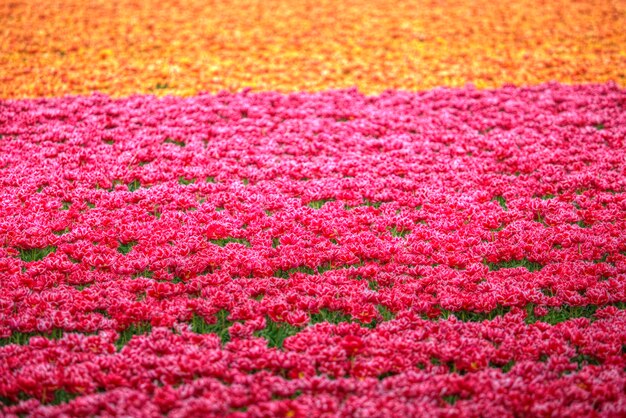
[
  {"x": 420, "y": 250},
  {"x": 406, "y": 366},
  {"x": 185, "y": 47}
]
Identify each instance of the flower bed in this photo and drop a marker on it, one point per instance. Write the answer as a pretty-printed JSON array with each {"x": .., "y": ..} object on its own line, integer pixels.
[
  {"x": 124, "y": 47},
  {"x": 449, "y": 252}
]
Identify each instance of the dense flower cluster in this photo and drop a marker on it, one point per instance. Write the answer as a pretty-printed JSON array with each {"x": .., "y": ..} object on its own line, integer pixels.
[
  {"x": 404, "y": 254},
  {"x": 405, "y": 367},
  {"x": 123, "y": 47}
]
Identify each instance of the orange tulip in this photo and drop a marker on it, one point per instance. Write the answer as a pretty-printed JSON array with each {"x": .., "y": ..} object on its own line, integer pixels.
[{"x": 122, "y": 47}]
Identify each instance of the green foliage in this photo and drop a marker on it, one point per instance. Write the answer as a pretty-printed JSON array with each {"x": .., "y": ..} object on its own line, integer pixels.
[
  {"x": 23, "y": 338},
  {"x": 36, "y": 254},
  {"x": 336, "y": 317},
  {"x": 582, "y": 224},
  {"x": 222, "y": 242},
  {"x": 317, "y": 204},
  {"x": 373, "y": 285},
  {"x": 469, "y": 316},
  {"x": 326, "y": 267},
  {"x": 125, "y": 248},
  {"x": 82, "y": 286},
  {"x": 501, "y": 200},
  {"x": 57, "y": 397},
  {"x": 506, "y": 367},
  {"x": 385, "y": 375},
  {"x": 332, "y": 317},
  {"x": 529, "y": 265},
  {"x": 220, "y": 327},
  {"x": 61, "y": 396},
  {"x": 563, "y": 313},
  {"x": 156, "y": 212},
  {"x": 276, "y": 332},
  {"x": 385, "y": 313},
  {"x": 134, "y": 185},
  {"x": 602, "y": 259},
  {"x": 399, "y": 232},
  {"x": 135, "y": 329},
  {"x": 540, "y": 219},
  {"x": 366, "y": 202},
  {"x": 450, "y": 399},
  {"x": 182, "y": 180},
  {"x": 583, "y": 360},
  {"x": 102, "y": 312},
  {"x": 175, "y": 142},
  {"x": 284, "y": 274},
  {"x": 313, "y": 271}
]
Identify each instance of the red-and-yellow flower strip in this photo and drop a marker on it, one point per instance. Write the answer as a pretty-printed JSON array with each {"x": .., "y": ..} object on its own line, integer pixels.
[{"x": 289, "y": 247}]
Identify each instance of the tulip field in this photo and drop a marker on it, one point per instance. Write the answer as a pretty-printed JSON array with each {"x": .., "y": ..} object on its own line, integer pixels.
[{"x": 312, "y": 209}]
